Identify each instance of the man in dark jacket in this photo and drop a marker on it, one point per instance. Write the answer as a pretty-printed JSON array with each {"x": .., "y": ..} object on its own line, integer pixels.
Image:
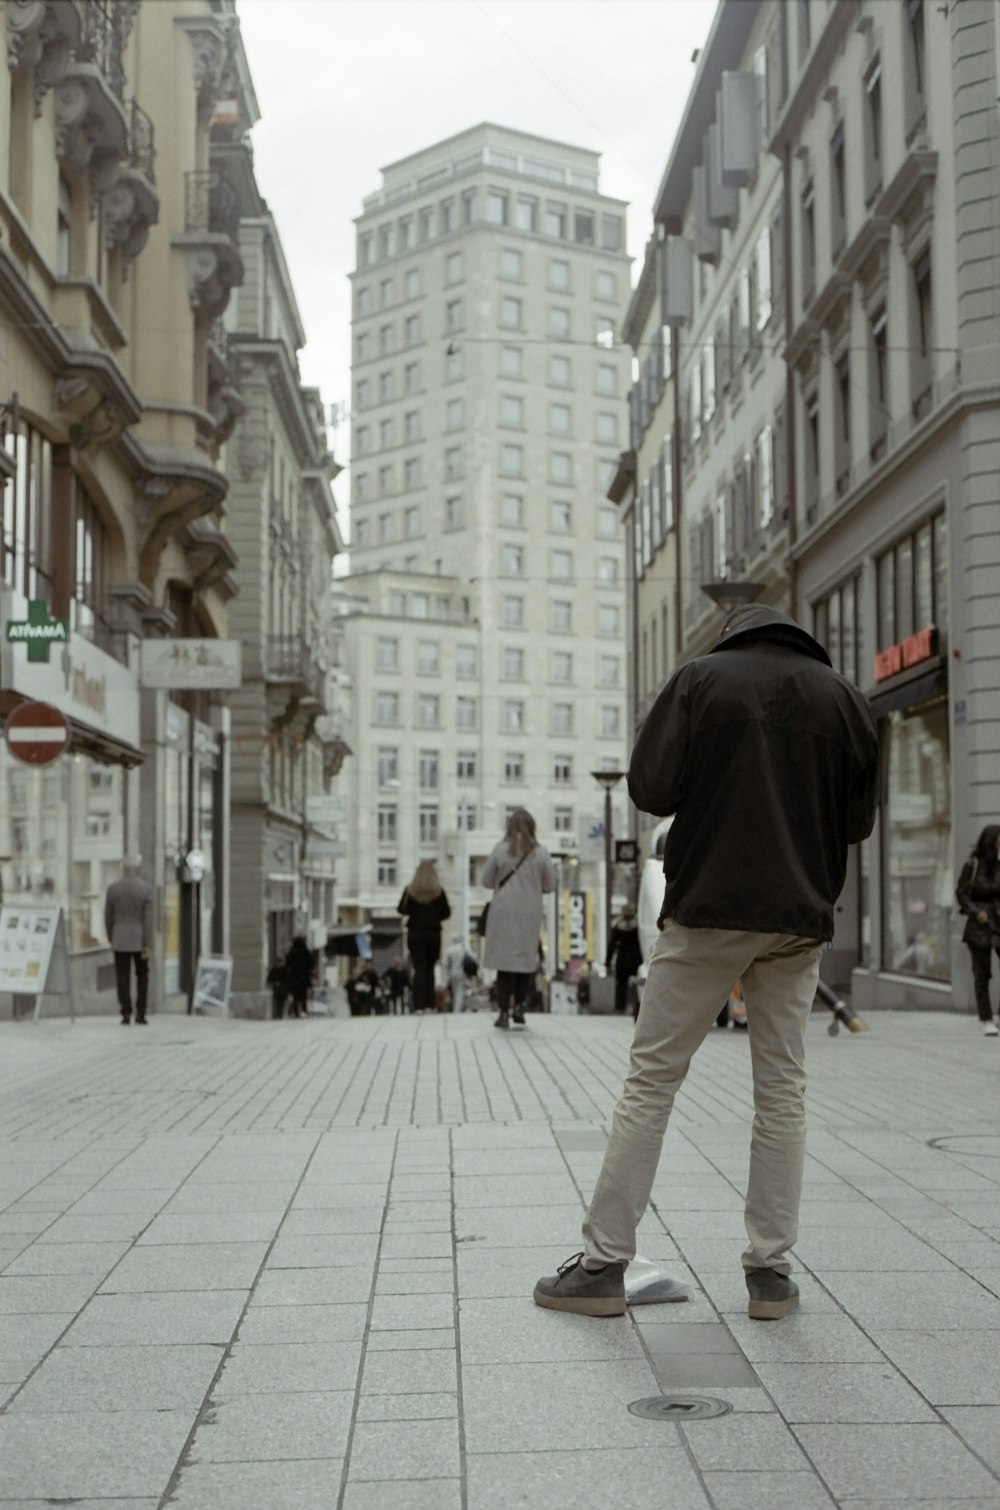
[{"x": 768, "y": 760}]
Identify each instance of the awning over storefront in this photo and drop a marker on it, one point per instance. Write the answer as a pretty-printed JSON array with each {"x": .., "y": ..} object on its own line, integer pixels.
[{"x": 929, "y": 682}]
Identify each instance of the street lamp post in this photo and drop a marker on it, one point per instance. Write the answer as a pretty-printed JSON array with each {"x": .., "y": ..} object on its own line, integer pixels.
[
  {"x": 463, "y": 824},
  {"x": 608, "y": 780}
]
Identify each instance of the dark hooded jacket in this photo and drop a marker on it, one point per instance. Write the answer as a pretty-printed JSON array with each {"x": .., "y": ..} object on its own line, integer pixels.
[{"x": 768, "y": 758}]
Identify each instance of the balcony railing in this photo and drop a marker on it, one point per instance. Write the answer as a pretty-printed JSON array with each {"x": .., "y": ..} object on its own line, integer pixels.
[
  {"x": 141, "y": 143},
  {"x": 290, "y": 659},
  {"x": 102, "y": 41},
  {"x": 211, "y": 204}
]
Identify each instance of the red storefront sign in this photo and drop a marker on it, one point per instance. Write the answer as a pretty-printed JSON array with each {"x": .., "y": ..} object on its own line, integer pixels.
[{"x": 909, "y": 652}]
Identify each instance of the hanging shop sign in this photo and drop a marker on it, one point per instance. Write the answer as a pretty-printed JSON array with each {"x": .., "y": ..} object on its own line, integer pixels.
[
  {"x": 918, "y": 647},
  {"x": 37, "y": 734},
  {"x": 191, "y": 665}
]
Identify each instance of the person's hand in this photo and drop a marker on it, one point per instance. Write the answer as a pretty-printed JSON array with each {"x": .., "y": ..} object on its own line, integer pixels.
[
  {"x": 981, "y": 917},
  {"x": 144, "y": 952}
]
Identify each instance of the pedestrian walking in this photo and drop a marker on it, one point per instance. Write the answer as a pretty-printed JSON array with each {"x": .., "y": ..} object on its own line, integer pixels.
[
  {"x": 455, "y": 975},
  {"x": 978, "y": 894},
  {"x": 520, "y": 872},
  {"x": 425, "y": 907},
  {"x": 624, "y": 953},
  {"x": 299, "y": 968},
  {"x": 128, "y": 920},
  {"x": 394, "y": 983},
  {"x": 768, "y": 759},
  {"x": 277, "y": 979}
]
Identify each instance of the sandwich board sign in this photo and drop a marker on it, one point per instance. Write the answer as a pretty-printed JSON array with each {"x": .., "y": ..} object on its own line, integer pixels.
[
  {"x": 211, "y": 983},
  {"x": 34, "y": 955}
]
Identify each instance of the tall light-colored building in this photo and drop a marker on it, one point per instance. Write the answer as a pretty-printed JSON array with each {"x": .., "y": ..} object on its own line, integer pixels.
[
  {"x": 488, "y": 386},
  {"x": 826, "y": 253}
]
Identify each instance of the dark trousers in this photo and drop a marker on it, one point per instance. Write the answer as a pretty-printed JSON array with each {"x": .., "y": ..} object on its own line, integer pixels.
[
  {"x": 621, "y": 992},
  {"x": 512, "y": 990},
  {"x": 981, "y": 973},
  {"x": 424, "y": 956},
  {"x": 123, "y": 980},
  {"x": 278, "y": 999}
]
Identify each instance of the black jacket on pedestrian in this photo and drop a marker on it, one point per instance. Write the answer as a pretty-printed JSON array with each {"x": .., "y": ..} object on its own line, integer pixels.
[
  {"x": 978, "y": 891},
  {"x": 624, "y": 950},
  {"x": 299, "y": 966},
  {"x": 768, "y": 758},
  {"x": 424, "y": 919}
]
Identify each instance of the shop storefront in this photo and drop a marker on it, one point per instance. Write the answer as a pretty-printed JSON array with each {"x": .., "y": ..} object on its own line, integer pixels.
[{"x": 65, "y": 827}]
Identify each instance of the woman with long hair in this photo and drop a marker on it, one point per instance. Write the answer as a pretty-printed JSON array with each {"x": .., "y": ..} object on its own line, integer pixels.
[
  {"x": 520, "y": 871},
  {"x": 425, "y": 907},
  {"x": 978, "y": 894}
]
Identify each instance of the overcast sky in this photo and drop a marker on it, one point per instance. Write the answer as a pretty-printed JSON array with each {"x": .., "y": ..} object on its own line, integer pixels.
[{"x": 347, "y": 86}]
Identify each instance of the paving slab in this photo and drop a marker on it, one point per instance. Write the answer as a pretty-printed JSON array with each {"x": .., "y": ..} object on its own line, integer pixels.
[
  {"x": 310, "y": 1484},
  {"x": 261, "y": 1428},
  {"x": 643, "y": 1475},
  {"x": 288, "y": 1368},
  {"x": 903, "y": 1463},
  {"x": 767, "y": 1491},
  {"x": 87, "y": 1455}
]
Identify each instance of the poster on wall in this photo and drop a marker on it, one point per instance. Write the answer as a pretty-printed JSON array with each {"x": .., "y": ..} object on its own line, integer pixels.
[
  {"x": 212, "y": 980},
  {"x": 578, "y": 932}
]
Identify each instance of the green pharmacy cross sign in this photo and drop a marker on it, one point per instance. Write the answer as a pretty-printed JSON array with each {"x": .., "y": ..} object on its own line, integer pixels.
[{"x": 38, "y": 631}]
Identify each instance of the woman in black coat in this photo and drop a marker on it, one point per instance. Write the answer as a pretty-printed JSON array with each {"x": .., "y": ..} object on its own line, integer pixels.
[
  {"x": 978, "y": 894},
  {"x": 425, "y": 907},
  {"x": 299, "y": 967},
  {"x": 625, "y": 950}
]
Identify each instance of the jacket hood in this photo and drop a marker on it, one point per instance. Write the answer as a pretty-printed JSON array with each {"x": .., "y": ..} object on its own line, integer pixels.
[{"x": 753, "y": 624}]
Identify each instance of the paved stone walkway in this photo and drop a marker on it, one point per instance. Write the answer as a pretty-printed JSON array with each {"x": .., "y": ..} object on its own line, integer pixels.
[{"x": 279, "y": 1265}]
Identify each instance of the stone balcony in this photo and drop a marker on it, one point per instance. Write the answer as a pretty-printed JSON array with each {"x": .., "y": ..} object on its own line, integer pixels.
[
  {"x": 132, "y": 201},
  {"x": 210, "y": 241},
  {"x": 91, "y": 124}
]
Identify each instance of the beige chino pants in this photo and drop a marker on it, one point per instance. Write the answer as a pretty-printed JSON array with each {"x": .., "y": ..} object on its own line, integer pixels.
[{"x": 691, "y": 971}]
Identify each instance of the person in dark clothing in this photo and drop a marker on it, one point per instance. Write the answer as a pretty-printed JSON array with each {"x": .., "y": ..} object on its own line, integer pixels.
[
  {"x": 299, "y": 967},
  {"x": 425, "y": 907},
  {"x": 767, "y": 759},
  {"x": 394, "y": 982},
  {"x": 625, "y": 953},
  {"x": 277, "y": 979},
  {"x": 978, "y": 894}
]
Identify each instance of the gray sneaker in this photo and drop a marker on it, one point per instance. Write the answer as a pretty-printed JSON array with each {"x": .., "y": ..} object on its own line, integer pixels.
[
  {"x": 599, "y": 1292},
  {"x": 772, "y": 1295}
]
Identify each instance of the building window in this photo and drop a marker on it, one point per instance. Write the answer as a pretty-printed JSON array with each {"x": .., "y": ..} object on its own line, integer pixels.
[
  {"x": 878, "y": 383},
  {"x": 922, "y": 333},
  {"x": 453, "y": 513},
  {"x": 469, "y": 197},
  {"x": 511, "y": 264},
  {"x": 838, "y": 191},
  {"x": 842, "y": 422},
  {"x": 583, "y": 228},
  {"x": 90, "y": 576},
  {"x": 512, "y": 461},
  {"x": 914, "y": 63},
  {"x": 511, "y": 510},
  {"x": 765, "y": 477},
  {"x": 511, "y": 313},
  {"x": 386, "y": 293},
  {"x": 428, "y": 658},
  {"x": 561, "y": 565},
  {"x": 428, "y": 710},
  {"x": 526, "y": 215},
  {"x": 607, "y": 570},
  {"x": 411, "y": 282},
  {"x": 411, "y": 425},
  {"x": 512, "y": 664},
  {"x": 607, "y": 378},
  {"x": 465, "y": 713},
  {"x": 559, "y": 274},
  {"x": 562, "y": 820},
  {"x": 561, "y": 518},
  {"x": 607, "y": 524},
  {"x": 411, "y": 329},
  {"x": 608, "y": 671},
  {"x": 607, "y": 429},
  {"x": 810, "y": 460},
  {"x": 560, "y": 467},
  {"x": 562, "y": 770},
  {"x": 411, "y": 479},
  {"x": 560, "y": 718},
  {"x": 454, "y": 415},
  {"x": 916, "y": 841},
  {"x": 513, "y": 768},
  {"x": 420, "y": 605},
  {"x": 511, "y": 561},
  {"x": 559, "y": 324},
  {"x": 386, "y": 340},
  {"x": 386, "y": 654},
  {"x": 562, "y": 667},
  {"x": 554, "y": 221},
  {"x": 363, "y": 393},
  {"x": 496, "y": 207},
  {"x": 837, "y": 626},
  {"x": 608, "y": 621},
  {"x": 762, "y": 268},
  {"x": 873, "y": 131},
  {"x": 612, "y": 233},
  {"x": 561, "y": 616},
  {"x": 512, "y": 361},
  {"x": 428, "y": 766},
  {"x": 411, "y": 377},
  {"x": 387, "y": 764},
  {"x": 512, "y": 612},
  {"x": 387, "y": 823},
  {"x": 364, "y": 301},
  {"x": 610, "y": 722},
  {"x": 465, "y": 765},
  {"x": 453, "y": 462},
  {"x": 466, "y": 662},
  {"x": 604, "y": 333},
  {"x": 560, "y": 419},
  {"x": 605, "y": 285},
  {"x": 386, "y": 873},
  {"x": 512, "y": 715},
  {"x": 560, "y": 372},
  {"x": 512, "y": 411},
  {"x": 428, "y": 821},
  {"x": 387, "y": 708},
  {"x": 453, "y": 268},
  {"x": 807, "y": 237},
  {"x": 453, "y": 315}
]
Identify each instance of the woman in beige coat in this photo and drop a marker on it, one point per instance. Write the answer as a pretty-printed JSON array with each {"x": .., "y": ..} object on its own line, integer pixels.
[{"x": 520, "y": 871}]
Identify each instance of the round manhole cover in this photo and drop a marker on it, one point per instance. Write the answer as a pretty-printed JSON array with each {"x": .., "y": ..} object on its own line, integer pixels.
[{"x": 679, "y": 1408}]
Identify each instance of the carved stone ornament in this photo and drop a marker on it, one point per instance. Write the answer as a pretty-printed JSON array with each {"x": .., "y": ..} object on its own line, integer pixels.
[
  {"x": 130, "y": 208},
  {"x": 210, "y": 47},
  {"x": 41, "y": 35}
]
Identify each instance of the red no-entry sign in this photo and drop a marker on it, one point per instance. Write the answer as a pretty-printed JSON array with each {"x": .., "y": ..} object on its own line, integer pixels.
[{"x": 37, "y": 733}]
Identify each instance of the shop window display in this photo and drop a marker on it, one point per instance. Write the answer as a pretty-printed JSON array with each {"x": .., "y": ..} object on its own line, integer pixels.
[{"x": 918, "y": 888}]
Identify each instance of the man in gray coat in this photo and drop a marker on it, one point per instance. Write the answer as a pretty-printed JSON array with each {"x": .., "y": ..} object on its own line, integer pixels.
[{"x": 128, "y": 919}]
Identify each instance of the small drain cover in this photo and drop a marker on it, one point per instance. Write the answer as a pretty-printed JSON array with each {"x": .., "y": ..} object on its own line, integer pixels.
[{"x": 679, "y": 1408}]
